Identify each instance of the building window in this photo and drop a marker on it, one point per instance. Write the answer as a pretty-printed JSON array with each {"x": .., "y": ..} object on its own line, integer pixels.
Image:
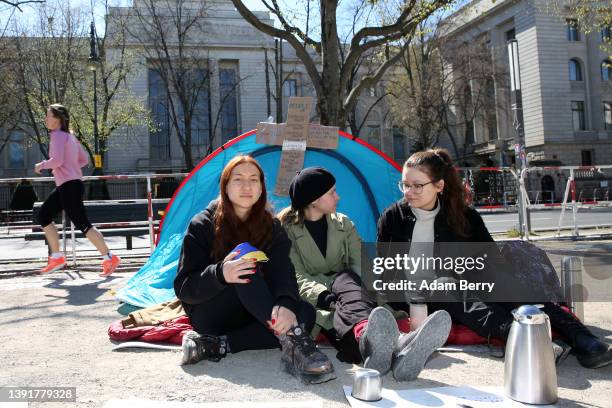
[
  {"x": 373, "y": 133},
  {"x": 575, "y": 71},
  {"x": 200, "y": 121},
  {"x": 511, "y": 34},
  {"x": 608, "y": 115},
  {"x": 16, "y": 150},
  {"x": 229, "y": 110},
  {"x": 573, "y": 33},
  {"x": 578, "y": 115},
  {"x": 490, "y": 106},
  {"x": 606, "y": 34},
  {"x": 606, "y": 70},
  {"x": 587, "y": 157},
  {"x": 160, "y": 115},
  {"x": 399, "y": 146},
  {"x": 290, "y": 88},
  {"x": 470, "y": 135}
]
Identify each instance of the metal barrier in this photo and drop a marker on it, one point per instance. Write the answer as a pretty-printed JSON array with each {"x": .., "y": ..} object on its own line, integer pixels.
[
  {"x": 491, "y": 188},
  {"x": 586, "y": 175},
  {"x": 146, "y": 178}
]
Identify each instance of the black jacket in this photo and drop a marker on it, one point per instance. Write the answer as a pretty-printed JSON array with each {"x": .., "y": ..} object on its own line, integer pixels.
[
  {"x": 199, "y": 278},
  {"x": 397, "y": 223}
]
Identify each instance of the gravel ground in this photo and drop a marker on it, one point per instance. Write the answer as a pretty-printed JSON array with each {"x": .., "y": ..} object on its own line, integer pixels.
[{"x": 54, "y": 334}]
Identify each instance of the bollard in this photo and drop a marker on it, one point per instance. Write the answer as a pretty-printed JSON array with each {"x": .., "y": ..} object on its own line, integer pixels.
[{"x": 571, "y": 283}]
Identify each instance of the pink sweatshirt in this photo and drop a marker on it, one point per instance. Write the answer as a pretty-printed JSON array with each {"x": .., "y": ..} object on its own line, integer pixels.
[{"x": 66, "y": 157}]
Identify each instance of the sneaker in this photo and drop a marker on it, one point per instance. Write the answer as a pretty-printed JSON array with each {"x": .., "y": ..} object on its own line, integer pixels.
[
  {"x": 302, "y": 358},
  {"x": 378, "y": 340},
  {"x": 416, "y": 348},
  {"x": 197, "y": 347},
  {"x": 54, "y": 264},
  {"x": 109, "y": 265}
]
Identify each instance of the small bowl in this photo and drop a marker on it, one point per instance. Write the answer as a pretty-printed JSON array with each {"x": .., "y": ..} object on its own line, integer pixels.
[{"x": 367, "y": 385}]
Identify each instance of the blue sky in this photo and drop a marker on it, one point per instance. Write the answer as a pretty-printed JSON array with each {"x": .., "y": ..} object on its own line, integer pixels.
[
  {"x": 345, "y": 13},
  {"x": 29, "y": 10}
]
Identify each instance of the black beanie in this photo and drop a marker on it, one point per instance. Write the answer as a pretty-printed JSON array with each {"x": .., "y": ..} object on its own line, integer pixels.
[{"x": 308, "y": 185}]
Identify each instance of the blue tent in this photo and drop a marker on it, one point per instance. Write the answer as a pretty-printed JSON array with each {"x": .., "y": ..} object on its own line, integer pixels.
[{"x": 366, "y": 182}]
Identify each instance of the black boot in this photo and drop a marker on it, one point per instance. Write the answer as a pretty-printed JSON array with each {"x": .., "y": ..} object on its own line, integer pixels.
[
  {"x": 302, "y": 358},
  {"x": 590, "y": 351},
  {"x": 197, "y": 347}
]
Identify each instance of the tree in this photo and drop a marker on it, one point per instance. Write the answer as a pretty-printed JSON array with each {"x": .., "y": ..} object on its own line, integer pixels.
[
  {"x": 469, "y": 81},
  {"x": 335, "y": 99},
  {"x": 591, "y": 16},
  {"x": 18, "y": 3},
  {"x": 417, "y": 90},
  {"x": 165, "y": 32},
  {"x": 49, "y": 65},
  {"x": 117, "y": 106},
  {"x": 444, "y": 87}
]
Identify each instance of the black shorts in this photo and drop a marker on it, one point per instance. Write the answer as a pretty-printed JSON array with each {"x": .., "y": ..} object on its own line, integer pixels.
[{"x": 67, "y": 197}]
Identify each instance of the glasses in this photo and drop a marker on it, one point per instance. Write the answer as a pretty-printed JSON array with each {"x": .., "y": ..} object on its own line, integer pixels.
[{"x": 416, "y": 188}]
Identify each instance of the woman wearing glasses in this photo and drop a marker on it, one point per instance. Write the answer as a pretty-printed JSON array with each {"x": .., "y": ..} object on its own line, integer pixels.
[{"x": 434, "y": 210}]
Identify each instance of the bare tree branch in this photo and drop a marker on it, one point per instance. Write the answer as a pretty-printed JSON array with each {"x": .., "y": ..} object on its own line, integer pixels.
[{"x": 19, "y": 3}]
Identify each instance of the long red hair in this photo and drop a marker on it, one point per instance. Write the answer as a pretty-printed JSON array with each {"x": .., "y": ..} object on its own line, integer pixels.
[{"x": 229, "y": 229}]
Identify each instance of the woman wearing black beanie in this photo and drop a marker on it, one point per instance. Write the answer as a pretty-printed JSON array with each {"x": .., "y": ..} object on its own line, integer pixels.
[{"x": 326, "y": 254}]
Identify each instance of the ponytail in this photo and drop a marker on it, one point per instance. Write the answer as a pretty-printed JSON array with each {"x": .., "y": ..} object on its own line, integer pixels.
[{"x": 438, "y": 165}]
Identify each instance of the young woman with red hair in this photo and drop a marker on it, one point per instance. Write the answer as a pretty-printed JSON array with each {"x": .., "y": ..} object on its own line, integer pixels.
[{"x": 233, "y": 303}]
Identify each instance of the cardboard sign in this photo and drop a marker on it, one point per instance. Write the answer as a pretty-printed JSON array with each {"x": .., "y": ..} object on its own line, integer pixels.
[
  {"x": 323, "y": 137},
  {"x": 295, "y": 136},
  {"x": 270, "y": 133},
  {"x": 292, "y": 161},
  {"x": 299, "y": 109}
]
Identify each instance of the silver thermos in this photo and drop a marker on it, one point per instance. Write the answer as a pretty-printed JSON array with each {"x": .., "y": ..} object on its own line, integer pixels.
[{"x": 529, "y": 372}]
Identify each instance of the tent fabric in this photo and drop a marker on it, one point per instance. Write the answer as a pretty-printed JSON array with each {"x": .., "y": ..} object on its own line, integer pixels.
[{"x": 366, "y": 182}]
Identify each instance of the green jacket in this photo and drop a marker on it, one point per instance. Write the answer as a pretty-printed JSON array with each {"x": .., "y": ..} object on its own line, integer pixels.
[{"x": 314, "y": 273}]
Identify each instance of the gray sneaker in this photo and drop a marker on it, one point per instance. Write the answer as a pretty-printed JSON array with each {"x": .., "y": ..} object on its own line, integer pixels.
[
  {"x": 378, "y": 340},
  {"x": 416, "y": 347}
]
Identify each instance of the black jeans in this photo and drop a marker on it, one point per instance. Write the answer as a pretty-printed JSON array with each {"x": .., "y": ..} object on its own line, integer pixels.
[
  {"x": 353, "y": 305},
  {"x": 67, "y": 197},
  {"x": 241, "y": 311}
]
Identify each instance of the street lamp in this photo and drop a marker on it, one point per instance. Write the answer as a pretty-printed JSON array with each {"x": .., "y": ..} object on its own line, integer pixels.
[
  {"x": 98, "y": 190},
  {"x": 519, "y": 137}
]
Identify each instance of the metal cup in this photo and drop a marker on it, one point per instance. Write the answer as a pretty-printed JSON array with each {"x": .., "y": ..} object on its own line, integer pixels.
[{"x": 367, "y": 385}]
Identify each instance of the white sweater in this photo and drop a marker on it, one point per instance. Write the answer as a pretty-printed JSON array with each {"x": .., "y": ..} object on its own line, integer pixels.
[{"x": 422, "y": 241}]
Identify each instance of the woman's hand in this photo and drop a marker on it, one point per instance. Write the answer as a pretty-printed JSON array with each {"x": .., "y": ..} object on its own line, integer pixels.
[
  {"x": 233, "y": 269},
  {"x": 38, "y": 168},
  {"x": 282, "y": 319}
]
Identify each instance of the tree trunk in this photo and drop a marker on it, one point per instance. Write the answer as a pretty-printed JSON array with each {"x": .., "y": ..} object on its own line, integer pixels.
[{"x": 330, "y": 103}]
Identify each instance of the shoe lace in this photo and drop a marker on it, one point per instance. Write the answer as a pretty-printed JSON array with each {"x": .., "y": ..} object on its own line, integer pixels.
[{"x": 304, "y": 342}]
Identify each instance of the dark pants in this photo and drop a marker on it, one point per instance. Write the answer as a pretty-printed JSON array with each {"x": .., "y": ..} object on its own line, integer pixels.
[
  {"x": 67, "y": 197},
  {"x": 494, "y": 319},
  {"x": 241, "y": 312},
  {"x": 353, "y": 305}
]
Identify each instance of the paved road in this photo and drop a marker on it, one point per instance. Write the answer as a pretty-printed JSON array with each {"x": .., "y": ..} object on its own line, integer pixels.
[{"x": 502, "y": 222}]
